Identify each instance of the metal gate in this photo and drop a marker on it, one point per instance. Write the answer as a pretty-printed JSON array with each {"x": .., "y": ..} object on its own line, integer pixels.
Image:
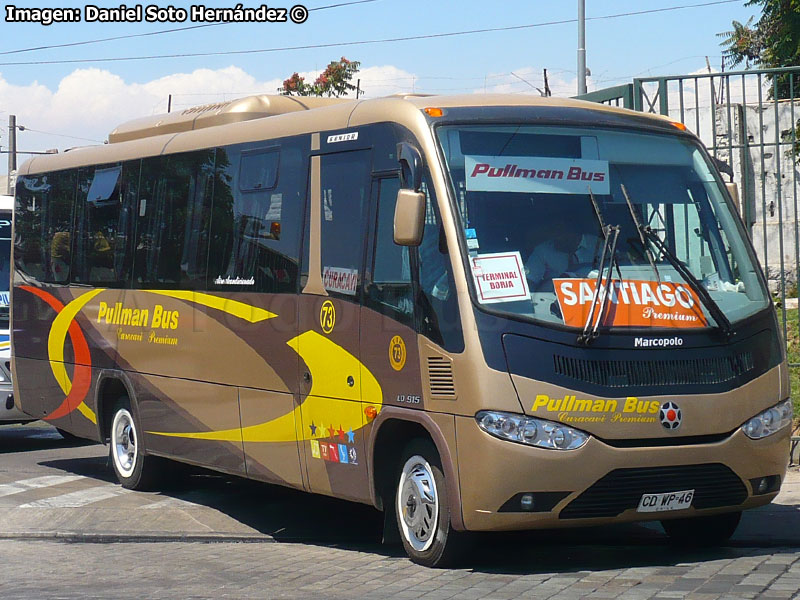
[{"x": 748, "y": 120}]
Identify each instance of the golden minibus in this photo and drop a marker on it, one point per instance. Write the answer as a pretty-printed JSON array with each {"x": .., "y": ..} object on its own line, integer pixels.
[{"x": 475, "y": 313}]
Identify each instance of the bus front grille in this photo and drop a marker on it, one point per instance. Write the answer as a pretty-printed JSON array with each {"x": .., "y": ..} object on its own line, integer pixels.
[
  {"x": 626, "y": 373},
  {"x": 714, "y": 485}
]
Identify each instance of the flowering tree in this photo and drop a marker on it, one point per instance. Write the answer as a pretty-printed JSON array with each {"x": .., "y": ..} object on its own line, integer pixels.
[{"x": 333, "y": 81}]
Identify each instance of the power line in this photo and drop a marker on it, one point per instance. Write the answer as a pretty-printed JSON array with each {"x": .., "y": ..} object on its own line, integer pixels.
[
  {"x": 109, "y": 39},
  {"x": 74, "y": 137},
  {"x": 363, "y": 42},
  {"x": 340, "y": 4},
  {"x": 160, "y": 32}
]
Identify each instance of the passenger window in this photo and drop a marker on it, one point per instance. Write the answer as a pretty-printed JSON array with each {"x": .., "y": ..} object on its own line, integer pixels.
[
  {"x": 344, "y": 181},
  {"x": 255, "y": 229},
  {"x": 43, "y": 219},
  {"x": 390, "y": 291},
  {"x": 258, "y": 170},
  {"x": 101, "y": 228},
  {"x": 173, "y": 211}
]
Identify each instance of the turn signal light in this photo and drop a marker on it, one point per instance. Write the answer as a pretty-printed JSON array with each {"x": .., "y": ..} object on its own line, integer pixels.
[
  {"x": 678, "y": 125},
  {"x": 434, "y": 112},
  {"x": 371, "y": 412}
]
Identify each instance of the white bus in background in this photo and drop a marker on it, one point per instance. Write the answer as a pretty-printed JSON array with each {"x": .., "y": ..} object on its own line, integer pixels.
[{"x": 8, "y": 412}]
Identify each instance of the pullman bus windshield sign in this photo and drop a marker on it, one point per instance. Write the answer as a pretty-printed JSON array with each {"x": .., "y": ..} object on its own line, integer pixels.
[
  {"x": 534, "y": 174},
  {"x": 631, "y": 303}
]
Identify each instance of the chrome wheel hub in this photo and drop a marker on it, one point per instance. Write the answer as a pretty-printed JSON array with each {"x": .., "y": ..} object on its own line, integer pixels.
[
  {"x": 418, "y": 503},
  {"x": 123, "y": 440}
]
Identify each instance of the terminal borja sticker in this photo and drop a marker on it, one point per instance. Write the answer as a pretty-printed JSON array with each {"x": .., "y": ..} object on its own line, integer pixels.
[
  {"x": 631, "y": 303},
  {"x": 499, "y": 277}
]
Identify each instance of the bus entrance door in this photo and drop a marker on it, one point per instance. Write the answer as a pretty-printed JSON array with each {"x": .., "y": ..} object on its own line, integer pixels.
[
  {"x": 328, "y": 344},
  {"x": 389, "y": 350}
]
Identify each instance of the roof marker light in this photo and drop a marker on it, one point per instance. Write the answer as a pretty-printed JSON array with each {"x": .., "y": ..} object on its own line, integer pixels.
[
  {"x": 679, "y": 125},
  {"x": 434, "y": 111}
]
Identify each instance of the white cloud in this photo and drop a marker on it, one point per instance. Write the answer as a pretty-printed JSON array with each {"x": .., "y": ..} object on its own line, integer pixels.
[{"x": 89, "y": 103}]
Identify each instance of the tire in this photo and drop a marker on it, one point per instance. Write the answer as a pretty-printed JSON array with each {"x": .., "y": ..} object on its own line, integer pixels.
[
  {"x": 702, "y": 531},
  {"x": 422, "y": 509},
  {"x": 134, "y": 470}
]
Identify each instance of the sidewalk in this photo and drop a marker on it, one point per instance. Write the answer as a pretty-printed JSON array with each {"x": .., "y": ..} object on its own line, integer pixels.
[{"x": 776, "y": 524}]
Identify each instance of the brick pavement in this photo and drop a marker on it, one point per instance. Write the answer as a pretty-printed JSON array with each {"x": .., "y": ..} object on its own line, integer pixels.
[{"x": 46, "y": 569}]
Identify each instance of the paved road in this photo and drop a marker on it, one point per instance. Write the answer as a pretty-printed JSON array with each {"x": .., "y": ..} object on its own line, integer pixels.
[{"x": 68, "y": 531}]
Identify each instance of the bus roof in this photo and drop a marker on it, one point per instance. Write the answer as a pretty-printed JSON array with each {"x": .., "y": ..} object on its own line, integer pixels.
[
  {"x": 221, "y": 113},
  {"x": 261, "y": 117}
]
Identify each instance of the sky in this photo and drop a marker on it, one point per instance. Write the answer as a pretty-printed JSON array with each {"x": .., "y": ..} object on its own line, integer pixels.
[{"x": 72, "y": 95}]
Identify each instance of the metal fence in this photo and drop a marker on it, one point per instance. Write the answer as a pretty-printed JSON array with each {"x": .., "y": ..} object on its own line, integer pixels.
[{"x": 749, "y": 120}]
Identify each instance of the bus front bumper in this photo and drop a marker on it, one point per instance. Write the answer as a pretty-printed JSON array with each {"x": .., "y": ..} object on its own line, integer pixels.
[{"x": 599, "y": 484}]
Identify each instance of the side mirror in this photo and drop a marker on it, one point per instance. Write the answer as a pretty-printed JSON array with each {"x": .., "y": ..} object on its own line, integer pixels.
[
  {"x": 409, "y": 218},
  {"x": 733, "y": 190},
  {"x": 722, "y": 166}
]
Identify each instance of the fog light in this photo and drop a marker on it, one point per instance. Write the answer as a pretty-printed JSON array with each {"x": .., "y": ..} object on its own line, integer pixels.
[
  {"x": 766, "y": 485},
  {"x": 526, "y": 502}
]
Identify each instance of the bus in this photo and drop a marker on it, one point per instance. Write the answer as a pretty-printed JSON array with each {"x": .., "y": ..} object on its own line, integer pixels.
[
  {"x": 9, "y": 413},
  {"x": 474, "y": 313}
]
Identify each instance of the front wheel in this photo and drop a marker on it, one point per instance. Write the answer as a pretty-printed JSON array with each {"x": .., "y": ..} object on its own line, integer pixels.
[
  {"x": 702, "y": 531},
  {"x": 422, "y": 509},
  {"x": 134, "y": 470}
]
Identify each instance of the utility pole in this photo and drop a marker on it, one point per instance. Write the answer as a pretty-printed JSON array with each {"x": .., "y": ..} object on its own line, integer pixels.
[
  {"x": 12, "y": 143},
  {"x": 581, "y": 47}
]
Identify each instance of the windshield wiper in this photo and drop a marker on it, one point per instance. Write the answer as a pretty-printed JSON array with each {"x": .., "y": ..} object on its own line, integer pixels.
[
  {"x": 604, "y": 228},
  {"x": 589, "y": 333},
  {"x": 640, "y": 229},
  {"x": 722, "y": 321},
  {"x": 646, "y": 233}
]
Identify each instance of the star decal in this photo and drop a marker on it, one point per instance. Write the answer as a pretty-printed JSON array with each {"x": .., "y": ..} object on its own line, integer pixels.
[
  {"x": 332, "y": 431},
  {"x": 351, "y": 436},
  {"x": 313, "y": 429},
  {"x": 340, "y": 432}
]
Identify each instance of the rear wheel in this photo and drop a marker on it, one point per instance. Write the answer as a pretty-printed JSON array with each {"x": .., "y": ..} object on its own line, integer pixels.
[
  {"x": 422, "y": 509},
  {"x": 702, "y": 531},
  {"x": 134, "y": 470}
]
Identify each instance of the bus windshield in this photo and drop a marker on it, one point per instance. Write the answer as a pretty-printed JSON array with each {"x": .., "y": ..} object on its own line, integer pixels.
[{"x": 561, "y": 224}]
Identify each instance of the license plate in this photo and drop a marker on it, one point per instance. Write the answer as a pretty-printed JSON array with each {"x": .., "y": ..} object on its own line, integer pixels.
[{"x": 666, "y": 501}]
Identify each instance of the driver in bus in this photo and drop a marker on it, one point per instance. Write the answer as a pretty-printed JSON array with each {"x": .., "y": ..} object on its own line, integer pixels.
[{"x": 570, "y": 249}]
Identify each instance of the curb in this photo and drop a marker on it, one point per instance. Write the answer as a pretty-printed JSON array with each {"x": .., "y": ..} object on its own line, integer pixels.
[{"x": 74, "y": 537}]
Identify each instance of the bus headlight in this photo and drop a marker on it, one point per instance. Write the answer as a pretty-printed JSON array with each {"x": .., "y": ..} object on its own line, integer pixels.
[
  {"x": 530, "y": 431},
  {"x": 770, "y": 421}
]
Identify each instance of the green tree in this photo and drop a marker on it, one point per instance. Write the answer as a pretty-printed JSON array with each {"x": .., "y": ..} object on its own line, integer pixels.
[
  {"x": 772, "y": 42},
  {"x": 334, "y": 81}
]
